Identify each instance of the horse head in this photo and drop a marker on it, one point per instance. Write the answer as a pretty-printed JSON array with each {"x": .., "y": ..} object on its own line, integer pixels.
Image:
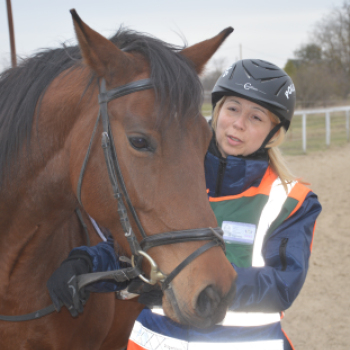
[{"x": 160, "y": 140}]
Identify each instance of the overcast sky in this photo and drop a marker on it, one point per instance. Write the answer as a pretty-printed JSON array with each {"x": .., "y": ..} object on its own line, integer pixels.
[{"x": 270, "y": 29}]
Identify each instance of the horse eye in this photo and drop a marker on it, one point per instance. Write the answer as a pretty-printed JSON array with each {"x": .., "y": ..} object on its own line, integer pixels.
[{"x": 139, "y": 143}]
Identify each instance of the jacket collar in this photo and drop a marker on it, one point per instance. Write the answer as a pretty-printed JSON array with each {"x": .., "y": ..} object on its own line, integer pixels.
[{"x": 232, "y": 175}]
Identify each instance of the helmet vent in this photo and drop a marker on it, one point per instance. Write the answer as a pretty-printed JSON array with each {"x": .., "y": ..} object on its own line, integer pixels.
[
  {"x": 246, "y": 71},
  {"x": 268, "y": 79},
  {"x": 233, "y": 71},
  {"x": 271, "y": 68},
  {"x": 280, "y": 88}
]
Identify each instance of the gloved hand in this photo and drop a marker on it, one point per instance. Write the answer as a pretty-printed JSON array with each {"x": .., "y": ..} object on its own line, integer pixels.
[
  {"x": 152, "y": 298},
  {"x": 149, "y": 295},
  {"x": 62, "y": 284}
]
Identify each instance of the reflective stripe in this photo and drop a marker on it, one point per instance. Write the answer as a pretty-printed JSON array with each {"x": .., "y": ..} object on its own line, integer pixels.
[
  {"x": 270, "y": 212},
  {"x": 149, "y": 340},
  {"x": 242, "y": 319},
  {"x": 250, "y": 319}
]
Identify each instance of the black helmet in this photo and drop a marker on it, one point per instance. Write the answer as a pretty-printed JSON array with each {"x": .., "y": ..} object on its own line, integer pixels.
[{"x": 261, "y": 82}]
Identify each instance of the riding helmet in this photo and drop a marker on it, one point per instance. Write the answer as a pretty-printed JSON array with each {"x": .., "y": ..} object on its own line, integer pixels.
[{"x": 261, "y": 82}]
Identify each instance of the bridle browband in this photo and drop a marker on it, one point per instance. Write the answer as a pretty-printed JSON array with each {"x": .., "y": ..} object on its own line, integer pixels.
[{"x": 138, "y": 249}]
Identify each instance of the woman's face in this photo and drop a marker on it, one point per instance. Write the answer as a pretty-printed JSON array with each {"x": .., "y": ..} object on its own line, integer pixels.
[{"x": 242, "y": 126}]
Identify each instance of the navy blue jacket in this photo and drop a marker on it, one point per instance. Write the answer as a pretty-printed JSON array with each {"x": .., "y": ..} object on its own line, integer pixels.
[{"x": 274, "y": 287}]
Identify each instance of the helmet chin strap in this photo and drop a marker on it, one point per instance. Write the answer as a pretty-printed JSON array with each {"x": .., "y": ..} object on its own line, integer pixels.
[{"x": 273, "y": 132}]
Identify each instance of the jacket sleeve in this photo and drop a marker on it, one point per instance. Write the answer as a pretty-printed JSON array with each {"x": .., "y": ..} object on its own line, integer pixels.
[
  {"x": 274, "y": 287},
  {"x": 103, "y": 258}
]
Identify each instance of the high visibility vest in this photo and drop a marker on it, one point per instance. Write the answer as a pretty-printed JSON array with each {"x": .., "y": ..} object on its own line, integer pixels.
[
  {"x": 247, "y": 220},
  {"x": 262, "y": 209}
]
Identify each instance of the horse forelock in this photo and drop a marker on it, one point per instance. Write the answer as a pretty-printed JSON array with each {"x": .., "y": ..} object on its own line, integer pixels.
[{"x": 177, "y": 86}]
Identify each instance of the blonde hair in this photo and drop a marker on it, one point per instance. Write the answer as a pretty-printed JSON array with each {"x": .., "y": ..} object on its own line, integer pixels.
[{"x": 276, "y": 160}]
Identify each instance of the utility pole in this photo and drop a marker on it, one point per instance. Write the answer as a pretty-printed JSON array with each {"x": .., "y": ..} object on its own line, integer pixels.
[
  {"x": 12, "y": 34},
  {"x": 240, "y": 51}
]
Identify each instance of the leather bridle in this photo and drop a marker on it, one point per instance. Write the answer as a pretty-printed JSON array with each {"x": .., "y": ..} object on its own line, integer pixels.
[{"x": 138, "y": 249}]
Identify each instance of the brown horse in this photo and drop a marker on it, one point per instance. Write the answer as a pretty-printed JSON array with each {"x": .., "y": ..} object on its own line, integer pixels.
[{"x": 48, "y": 109}]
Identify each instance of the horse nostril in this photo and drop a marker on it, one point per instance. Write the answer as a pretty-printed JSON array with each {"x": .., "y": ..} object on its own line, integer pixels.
[{"x": 207, "y": 302}]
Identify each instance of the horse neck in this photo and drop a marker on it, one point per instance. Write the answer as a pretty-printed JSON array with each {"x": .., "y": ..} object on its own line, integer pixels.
[
  {"x": 37, "y": 259},
  {"x": 37, "y": 202}
]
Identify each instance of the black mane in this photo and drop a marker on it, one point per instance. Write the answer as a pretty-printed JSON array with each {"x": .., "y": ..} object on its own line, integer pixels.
[{"x": 178, "y": 88}]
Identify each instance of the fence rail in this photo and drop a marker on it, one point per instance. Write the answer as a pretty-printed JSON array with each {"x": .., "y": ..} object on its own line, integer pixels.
[{"x": 327, "y": 112}]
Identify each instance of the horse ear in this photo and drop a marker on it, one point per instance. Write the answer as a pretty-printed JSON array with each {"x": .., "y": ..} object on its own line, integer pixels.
[
  {"x": 200, "y": 53},
  {"x": 98, "y": 52}
]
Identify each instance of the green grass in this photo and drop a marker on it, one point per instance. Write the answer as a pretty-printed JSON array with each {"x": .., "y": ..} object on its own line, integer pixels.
[{"x": 315, "y": 132}]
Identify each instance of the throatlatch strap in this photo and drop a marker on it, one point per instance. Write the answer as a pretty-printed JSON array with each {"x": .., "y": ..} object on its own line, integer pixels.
[{"x": 82, "y": 171}]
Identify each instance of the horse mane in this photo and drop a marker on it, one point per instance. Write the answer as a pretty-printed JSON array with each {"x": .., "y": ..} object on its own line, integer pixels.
[{"x": 177, "y": 86}]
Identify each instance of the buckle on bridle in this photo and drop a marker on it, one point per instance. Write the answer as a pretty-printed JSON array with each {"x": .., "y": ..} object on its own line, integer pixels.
[{"x": 155, "y": 275}]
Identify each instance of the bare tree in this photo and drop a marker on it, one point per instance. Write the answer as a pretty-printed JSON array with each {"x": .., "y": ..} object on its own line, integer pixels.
[
  {"x": 315, "y": 85},
  {"x": 332, "y": 34},
  {"x": 321, "y": 68}
]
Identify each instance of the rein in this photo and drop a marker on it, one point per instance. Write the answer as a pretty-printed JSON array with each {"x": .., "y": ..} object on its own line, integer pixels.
[{"x": 138, "y": 249}]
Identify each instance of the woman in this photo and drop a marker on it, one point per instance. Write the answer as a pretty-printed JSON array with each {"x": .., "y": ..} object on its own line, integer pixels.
[{"x": 268, "y": 217}]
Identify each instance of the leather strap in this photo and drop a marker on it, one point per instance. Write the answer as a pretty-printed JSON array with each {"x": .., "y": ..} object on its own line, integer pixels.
[
  {"x": 32, "y": 316},
  {"x": 195, "y": 254},
  {"x": 120, "y": 275},
  {"x": 203, "y": 234},
  {"x": 139, "y": 85}
]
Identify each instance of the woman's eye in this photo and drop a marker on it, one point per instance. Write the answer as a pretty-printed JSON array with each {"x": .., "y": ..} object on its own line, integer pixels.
[
  {"x": 139, "y": 143},
  {"x": 257, "y": 118}
]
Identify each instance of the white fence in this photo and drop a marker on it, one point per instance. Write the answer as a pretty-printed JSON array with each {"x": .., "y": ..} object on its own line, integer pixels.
[{"x": 327, "y": 112}]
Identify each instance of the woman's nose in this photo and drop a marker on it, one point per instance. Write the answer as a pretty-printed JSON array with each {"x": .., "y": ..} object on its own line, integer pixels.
[{"x": 239, "y": 122}]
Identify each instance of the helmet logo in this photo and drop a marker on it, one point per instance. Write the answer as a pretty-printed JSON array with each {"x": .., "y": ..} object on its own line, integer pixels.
[
  {"x": 249, "y": 86},
  {"x": 289, "y": 91}
]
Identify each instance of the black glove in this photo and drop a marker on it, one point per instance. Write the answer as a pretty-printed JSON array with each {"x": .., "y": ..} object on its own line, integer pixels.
[
  {"x": 150, "y": 295},
  {"x": 151, "y": 298},
  {"x": 63, "y": 286}
]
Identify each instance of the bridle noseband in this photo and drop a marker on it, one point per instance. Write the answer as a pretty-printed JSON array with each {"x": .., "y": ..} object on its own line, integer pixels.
[{"x": 138, "y": 249}]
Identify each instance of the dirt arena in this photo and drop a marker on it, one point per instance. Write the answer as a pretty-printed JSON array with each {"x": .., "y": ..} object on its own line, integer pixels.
[{"x": 320, "y": 316}]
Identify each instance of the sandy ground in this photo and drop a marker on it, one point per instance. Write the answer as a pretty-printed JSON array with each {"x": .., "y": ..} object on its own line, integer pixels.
[{"x": 320, "y": 316}]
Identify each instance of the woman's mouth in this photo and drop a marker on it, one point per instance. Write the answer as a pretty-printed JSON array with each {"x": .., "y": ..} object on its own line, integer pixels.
[{"x": 233, "y": 140}]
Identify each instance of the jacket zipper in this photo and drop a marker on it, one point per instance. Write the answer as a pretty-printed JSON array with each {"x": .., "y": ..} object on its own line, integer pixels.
[
  {"x": 220, "y": 177},
  {"x": 283, "y": 254}
]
